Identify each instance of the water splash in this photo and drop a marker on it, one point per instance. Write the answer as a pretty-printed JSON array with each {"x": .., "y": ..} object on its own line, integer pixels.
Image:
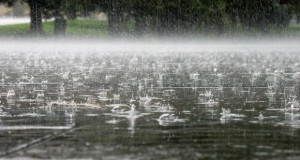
[
  {"x": 36, "y": 127},
  {"x": 168, "y": 119},
  {"x": 226, "y": 114}
]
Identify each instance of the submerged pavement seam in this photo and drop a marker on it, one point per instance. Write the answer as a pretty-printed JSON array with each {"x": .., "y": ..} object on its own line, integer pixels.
[{"x": 35, "y": 141}]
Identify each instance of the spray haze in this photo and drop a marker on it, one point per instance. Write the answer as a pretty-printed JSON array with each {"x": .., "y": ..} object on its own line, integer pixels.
[
  {"x": 54, "y": 46},
  {"x": 149, "y": 79}
]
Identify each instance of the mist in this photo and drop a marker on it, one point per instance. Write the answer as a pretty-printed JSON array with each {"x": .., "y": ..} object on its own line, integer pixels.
[
  {"x": 149, "y": 79},
  {"x": 154, "y": 46}
]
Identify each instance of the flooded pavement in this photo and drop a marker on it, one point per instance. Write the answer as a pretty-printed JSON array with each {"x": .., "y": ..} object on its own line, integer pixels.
[
  {"x": 198, "y": 132},
  {"x": 171, "y": 105}
]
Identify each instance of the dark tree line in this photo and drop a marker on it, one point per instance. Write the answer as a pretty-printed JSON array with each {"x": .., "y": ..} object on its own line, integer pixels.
[{"x": 168, "y": 17}]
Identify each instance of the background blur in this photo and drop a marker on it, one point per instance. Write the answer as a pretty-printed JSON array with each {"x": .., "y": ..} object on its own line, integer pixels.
[{"x": 150, "y": 18}]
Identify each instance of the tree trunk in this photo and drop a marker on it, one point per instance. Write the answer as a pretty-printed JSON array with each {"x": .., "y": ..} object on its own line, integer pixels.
[
  {"x": 112, "y": 24},
  {"x": 234, "y": 23},
  {"x": 140, "y": 23},
  {"x": 35, "y": 16},
  {"x": 115, "y": 18},
  {"x": 60, "y": 25}
]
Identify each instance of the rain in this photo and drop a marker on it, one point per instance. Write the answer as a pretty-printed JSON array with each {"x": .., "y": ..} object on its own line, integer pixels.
[{"x": 149, "y": 79}]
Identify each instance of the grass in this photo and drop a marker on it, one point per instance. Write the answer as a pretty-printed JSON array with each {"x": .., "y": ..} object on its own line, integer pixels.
[
  {"x": 86, "y": 28},
  {"x": 90, "y": 28},
  {"x": 95, "y": 28},
  {"x": 293, "y": 31},
  {"x": 294, "y": 27},
  {"x": 17, "y": 29}
]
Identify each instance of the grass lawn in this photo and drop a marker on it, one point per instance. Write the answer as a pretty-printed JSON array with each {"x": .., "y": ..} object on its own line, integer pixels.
[
  {"x": 86, "y": 28},
  {"x": 96, "y": 28},
  {"x": 294, "y": 30}
]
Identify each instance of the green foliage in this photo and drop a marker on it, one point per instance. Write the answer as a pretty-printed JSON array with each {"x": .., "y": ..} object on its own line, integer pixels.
[
  {"x": 178, "y": 17},
  {"x": 217, "y": 16},
  {"x": 90, "y": 28}
]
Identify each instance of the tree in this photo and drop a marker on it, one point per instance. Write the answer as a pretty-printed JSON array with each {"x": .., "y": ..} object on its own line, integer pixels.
[
  {"x": 36, "y": 8},
  {"x": 55, "y": 8},
  {"x": 70, "y": 9},
  {"x": 262, "y": 15},
  {"x": 294, "y": 5},
  {"x": 168, "y": 17},
  {"x": 116, "y": 13},
  {"x": 232, "y": 11},
  {"x": 58, "y": 9},
  {"x": 142, "y": 12}
]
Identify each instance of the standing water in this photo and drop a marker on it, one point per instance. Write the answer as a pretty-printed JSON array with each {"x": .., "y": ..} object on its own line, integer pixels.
[{"x": 146, "y": 100}]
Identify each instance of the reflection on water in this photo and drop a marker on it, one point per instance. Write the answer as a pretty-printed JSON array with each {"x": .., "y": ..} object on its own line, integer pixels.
[
  {"x": 141, "y": 106},
  {"x": 203, "y": 131}
]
